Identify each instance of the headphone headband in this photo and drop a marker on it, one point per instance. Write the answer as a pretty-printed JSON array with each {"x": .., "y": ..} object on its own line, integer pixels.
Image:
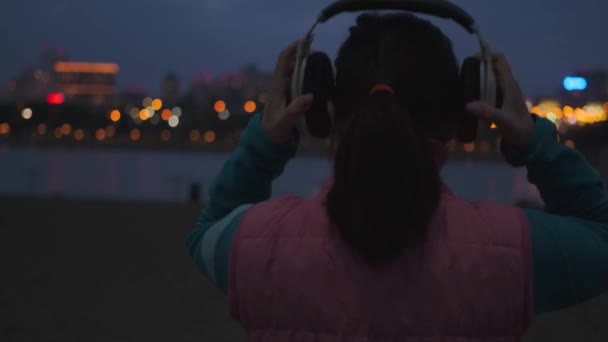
[{"x": 437, "y": 8}]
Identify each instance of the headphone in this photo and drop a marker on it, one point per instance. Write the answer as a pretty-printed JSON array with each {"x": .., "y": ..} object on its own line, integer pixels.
[{"x": 313, "y": 72}]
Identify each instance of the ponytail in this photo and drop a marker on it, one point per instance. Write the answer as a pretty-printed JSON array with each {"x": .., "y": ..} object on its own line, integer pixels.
[{"x": 386, "y": 183}]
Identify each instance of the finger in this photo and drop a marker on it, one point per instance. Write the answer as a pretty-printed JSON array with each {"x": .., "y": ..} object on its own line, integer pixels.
[
  {"x": 503, "y": 71},
  {"x": 286, "y": 60},
  {"x": 485, "y": 112},
  {"x": 296, "y": 109},
  {"x": 283, "y": 70}
]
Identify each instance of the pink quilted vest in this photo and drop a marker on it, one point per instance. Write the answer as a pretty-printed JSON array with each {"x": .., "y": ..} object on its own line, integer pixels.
[{"x": 292, "y": 278}]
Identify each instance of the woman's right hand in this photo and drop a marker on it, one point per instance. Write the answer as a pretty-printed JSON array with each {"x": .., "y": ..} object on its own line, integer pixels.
[{"x": 513, "y": 120}]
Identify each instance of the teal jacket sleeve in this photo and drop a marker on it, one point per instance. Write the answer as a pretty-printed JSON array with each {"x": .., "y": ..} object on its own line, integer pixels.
[
  {"x": 245, "y": 179},
  {"x": 569, "y": 238}
]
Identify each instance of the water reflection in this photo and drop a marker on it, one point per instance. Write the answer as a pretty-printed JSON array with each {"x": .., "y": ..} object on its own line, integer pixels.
[{"x": 167, "y": 176}]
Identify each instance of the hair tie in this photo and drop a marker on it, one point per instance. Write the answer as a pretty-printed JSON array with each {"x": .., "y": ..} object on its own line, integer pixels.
[{"x": 382, "y": 87}]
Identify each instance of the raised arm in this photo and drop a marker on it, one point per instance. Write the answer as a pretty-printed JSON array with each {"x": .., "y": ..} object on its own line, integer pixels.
[
  {"x": 245, "y": 179},
  {"x": 266, "y": 145},
  {"x": 570, "y": 239}
]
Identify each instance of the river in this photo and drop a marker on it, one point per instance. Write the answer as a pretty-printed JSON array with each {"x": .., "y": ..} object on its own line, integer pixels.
[{"x": 168, "y": 175}]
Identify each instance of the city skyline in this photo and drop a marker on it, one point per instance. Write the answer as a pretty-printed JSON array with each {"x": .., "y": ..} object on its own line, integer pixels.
[{"x": 148, "y": 39}]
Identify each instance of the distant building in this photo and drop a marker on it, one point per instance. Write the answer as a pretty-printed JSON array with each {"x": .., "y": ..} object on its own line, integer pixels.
[
  {"x": 215, "y": 99},
  {"x": 35, "y": 81},
  {"x": 86, "y": 83},
  {"x": 133, "y": 95},
  {"x": 170, "y": 89}
]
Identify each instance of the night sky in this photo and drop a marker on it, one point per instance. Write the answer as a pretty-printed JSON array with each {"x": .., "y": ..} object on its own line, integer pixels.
[{"x": 544, "y": 39}]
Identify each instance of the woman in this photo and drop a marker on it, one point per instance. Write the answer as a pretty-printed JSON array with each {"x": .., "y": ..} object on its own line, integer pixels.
[{"x": 386, "y": 250}]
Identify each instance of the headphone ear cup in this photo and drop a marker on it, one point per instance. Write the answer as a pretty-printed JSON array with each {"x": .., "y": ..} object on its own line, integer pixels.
[
  {"x": 470, "y": 78},
  {"x": 318, "y": 79}
]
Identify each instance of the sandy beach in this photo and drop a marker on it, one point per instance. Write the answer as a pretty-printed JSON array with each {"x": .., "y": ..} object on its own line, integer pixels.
[{"x": 119, "y": 271}]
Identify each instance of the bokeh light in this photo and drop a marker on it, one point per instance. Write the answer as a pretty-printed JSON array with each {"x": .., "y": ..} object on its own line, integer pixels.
[
  {"x": 135, "y": 134},
  {"x": 157, "y": 104},
  {"x": 115, "y": 115},
  {"x": 66, "y": 129},
  {"x": 176, "y": 111},
  {"x": 250, "y": 106},
  {"x": 26, "y": 113},
  {"x": 110, "y": 131},
  {"x": 589, "y": 114},
  {"x": 55, "y": 98},
  {"x": 41, "y": 129},
  {"x": 144, "y": 114},
  {"x": 569, "y": 143},
  {"x": 57, "y": 132},
  {"x": 165, "y": 135},
  {"x": 5, "y": 128},
  {"x": 100, "y": 134},
  {"x": 150, "y": 111},
  {"x": 165, "y": 114},
  {"x": 195, "y": 135},
  {"x": 134, "y": 112},
  {"x": 571, "y": 118},
  {"x": 470, "y": 147},
  {"x": 146, "y": 102},
  {"x": 224, "y": 115},
  {"x": 209, "y": 136},
  {"x": 173, "y": 121},
  {"x": 219, "y": 106},
  {"x": 79, "y": 134}
]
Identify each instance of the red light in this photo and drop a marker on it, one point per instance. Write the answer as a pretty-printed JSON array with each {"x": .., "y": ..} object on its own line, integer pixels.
[{"x": 55, "y": 98}]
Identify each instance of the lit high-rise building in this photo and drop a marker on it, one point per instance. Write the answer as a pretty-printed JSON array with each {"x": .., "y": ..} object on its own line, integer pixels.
[{"x": 84, "y": 82}]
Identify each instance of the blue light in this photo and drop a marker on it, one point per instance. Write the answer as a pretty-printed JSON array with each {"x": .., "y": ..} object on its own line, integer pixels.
[{"x": 575, "y": 83}]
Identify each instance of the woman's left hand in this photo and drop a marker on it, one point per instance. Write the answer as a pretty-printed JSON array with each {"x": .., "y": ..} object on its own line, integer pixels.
[{"x": 280, "y": 117}]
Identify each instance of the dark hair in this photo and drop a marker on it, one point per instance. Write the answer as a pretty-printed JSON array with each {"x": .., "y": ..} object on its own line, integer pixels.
[{"x": 386, "y": 183}]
